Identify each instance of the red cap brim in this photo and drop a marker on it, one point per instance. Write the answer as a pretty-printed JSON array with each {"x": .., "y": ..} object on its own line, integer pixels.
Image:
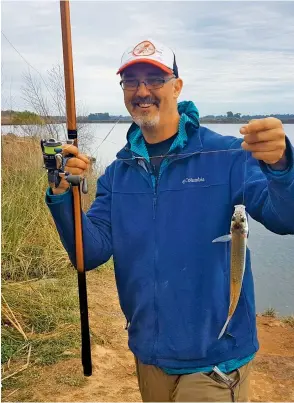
[{"x": 148, "y": 61}]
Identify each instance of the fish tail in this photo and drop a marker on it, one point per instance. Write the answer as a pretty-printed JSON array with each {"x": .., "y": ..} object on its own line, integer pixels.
[{"x": 224, "y": 327}]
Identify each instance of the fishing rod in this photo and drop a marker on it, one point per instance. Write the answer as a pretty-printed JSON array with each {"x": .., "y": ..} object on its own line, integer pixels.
[{"x": 76, "y": 184}]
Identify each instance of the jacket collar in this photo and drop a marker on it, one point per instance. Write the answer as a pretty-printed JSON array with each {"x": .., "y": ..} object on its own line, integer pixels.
[{"x": 188, "y": 138}]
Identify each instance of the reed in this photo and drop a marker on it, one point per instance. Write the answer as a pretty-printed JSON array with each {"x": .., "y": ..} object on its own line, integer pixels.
[
  {"x": 40, "y": 313},
  {"x": 31, "y": 247}
]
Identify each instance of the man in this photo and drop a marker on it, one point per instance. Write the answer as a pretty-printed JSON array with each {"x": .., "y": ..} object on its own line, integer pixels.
[{"x": 159, "y": 205}]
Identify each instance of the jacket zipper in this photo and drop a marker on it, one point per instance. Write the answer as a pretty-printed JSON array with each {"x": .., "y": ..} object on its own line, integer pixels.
[
  {"x": 155, "y": 195},
  {"x": 156, "y": 325},
  {"x": 154, "y": 205}
]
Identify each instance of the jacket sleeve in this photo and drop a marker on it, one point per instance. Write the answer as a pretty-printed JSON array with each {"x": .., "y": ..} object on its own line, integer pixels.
[
  {"x": 268, "y": 195},
  {"x": 97, "y": 239}
]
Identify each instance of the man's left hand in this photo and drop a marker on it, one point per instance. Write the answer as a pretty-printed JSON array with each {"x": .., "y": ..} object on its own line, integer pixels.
[{"x": 266, "y": 140}]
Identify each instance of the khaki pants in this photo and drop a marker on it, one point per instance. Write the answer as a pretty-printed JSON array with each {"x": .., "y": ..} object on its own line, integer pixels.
[{"x": 156, "y": 386}]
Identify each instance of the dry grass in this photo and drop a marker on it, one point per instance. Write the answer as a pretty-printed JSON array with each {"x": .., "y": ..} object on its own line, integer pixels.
[
  {"x": 289, "y": 320},
  {"x": 40, "y": 322},
  {"x": 271, "y": 312},
  {"x": 40, "y": 312},
  {"x": 30, "y": 245}
]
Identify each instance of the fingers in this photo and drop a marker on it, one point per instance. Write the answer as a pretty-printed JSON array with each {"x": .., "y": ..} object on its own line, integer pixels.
[
  {"x": 62, "y": 187},
  {"x": 269, "y": 157},
  {"x": 77, "y": 163},
  {"x": 270, "y": 152},
  {"x": 265, "y": 135},
  {"x": 84, "y": 158},
  {"x": 259, "y": 125},
  {"x": 75, "y": 171},
  {"x": 71, "y": 149},
  {"x": 265, "y": 139},
  {"x": 76, "y": 166},
  {"x": 264, "y": 146}
]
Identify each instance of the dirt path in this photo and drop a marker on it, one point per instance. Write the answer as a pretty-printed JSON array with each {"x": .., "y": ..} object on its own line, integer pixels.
[{"x": 114, "y": 376}]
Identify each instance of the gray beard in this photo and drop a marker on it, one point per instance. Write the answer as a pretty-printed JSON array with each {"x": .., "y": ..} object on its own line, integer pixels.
[{"x": 144, "y": 121}]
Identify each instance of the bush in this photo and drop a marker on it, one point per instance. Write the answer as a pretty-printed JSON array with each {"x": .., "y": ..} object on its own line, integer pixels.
[{"x": 270, "y": 312}]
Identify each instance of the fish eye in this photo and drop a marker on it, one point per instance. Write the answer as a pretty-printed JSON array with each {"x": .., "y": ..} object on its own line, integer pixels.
[
  {"x": 242, "y": 219},
  {"x": 233, "y": 218}
]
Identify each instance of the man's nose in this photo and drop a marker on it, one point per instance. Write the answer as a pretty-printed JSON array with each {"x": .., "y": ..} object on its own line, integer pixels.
[{"x": 142, "y": 90}]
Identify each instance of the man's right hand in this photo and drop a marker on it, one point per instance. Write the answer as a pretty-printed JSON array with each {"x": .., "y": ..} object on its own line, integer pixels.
[{"x": 77, "y": 165}]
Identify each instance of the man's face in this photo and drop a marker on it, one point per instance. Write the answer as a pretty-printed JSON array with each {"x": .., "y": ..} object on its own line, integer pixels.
[{"x": 149, "y": 107}]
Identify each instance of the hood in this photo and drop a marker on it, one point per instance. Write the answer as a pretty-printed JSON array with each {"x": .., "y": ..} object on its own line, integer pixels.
[
  {"x": 189, "y": 122},
  {"x": 186, "y": 108}
]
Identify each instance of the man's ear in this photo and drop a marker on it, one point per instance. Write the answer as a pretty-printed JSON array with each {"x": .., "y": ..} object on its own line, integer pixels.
[{"x": 178, "y": 85}]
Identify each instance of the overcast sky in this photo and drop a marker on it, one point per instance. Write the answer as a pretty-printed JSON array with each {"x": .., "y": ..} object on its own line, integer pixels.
[{"x": 235, "y": 56}]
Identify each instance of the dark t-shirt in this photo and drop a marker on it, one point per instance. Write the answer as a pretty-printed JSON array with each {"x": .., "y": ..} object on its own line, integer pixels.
[{"x": 159, "y": 149}]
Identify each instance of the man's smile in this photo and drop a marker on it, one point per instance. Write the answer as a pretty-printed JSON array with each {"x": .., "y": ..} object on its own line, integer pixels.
[
  {"x": 147, "y": 103},
  {"x": 144, "y": 106}
]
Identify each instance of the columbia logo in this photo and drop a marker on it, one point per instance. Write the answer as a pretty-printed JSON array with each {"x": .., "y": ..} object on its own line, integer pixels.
[{"x": 193, "y": 180}]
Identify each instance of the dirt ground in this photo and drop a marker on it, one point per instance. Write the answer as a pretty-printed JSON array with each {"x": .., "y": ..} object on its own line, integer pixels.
[{"x": 114, "y": 377}]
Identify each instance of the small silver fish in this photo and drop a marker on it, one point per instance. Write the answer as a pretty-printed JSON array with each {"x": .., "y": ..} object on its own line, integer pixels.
[{"x": 238, "y": 237}]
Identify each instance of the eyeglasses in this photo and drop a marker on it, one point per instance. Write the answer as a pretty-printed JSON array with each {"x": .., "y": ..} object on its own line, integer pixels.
[{"x": 151, "y": 83}]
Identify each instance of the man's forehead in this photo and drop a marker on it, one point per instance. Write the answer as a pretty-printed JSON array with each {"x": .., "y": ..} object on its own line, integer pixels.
[{"x": 143, "y": 68}]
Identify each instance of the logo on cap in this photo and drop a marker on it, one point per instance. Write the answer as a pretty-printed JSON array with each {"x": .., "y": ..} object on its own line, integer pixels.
[{"x": 144, "y": 48}]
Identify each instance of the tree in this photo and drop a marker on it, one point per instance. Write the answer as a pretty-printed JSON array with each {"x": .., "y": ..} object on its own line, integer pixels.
[
  {"x": 29, "y": 122},
  {"x": 99, "y": 116},
  {"x": 52, "y": 106},
  {"x": 26, "y": 118},
  {"x": 33, "y": 95},
  {"x": 230, "y": 115}
]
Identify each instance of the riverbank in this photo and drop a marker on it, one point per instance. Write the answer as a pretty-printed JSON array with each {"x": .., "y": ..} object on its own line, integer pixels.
[
  {"x": 6, "y": 121},
  {"x": 40, "y": 315},
  {"x": 114, "y": 377}
]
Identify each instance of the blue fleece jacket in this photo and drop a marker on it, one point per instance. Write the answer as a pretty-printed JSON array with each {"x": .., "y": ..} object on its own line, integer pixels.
[{"x": 173, "y": 282}]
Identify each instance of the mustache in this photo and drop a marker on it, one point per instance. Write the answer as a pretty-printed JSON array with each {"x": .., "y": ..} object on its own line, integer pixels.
[{"x": 145, "y": 100}]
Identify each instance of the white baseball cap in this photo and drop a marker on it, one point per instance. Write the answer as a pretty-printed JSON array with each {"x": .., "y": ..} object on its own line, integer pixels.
[{"x": 152, "y": 52}]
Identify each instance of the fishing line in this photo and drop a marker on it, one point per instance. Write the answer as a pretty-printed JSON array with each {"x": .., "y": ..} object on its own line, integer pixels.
[
  {"x": 244, "y": 183},
  {"x": 107, "y": 135},
  {"x": 24, "y": 59},
  {"x": 113, "y": 314},
  {"x": 37, "y": 71},
  {"x": 181, "y": 154},
  {"x": 134, "y": 157},
  {"x": 196, "y": 153}
]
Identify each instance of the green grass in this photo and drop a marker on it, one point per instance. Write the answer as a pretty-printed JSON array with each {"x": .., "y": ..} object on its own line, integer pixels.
[
  {"x": 52, "y": 350},
  {"x": 48, "y": 313},
  {"x": 42, "y": 308},
  {"x": 31, "y": 247},
  {"x": 39, "y": 284},
  {"x": 20, "y": 383}
]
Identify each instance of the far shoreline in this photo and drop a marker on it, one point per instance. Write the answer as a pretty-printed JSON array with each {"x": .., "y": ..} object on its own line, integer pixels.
[{"x": 228, "y": 122}]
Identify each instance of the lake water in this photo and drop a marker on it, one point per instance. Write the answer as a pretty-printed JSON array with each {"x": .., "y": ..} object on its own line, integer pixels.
[{"x": 272, "y": 255}]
